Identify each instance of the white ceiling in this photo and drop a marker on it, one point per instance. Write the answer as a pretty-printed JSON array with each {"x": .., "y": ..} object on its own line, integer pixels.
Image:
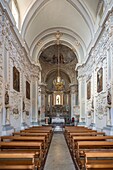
[{"x": 41, "y": 19}]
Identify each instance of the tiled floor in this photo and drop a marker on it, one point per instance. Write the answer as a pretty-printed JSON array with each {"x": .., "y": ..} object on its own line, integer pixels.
[{"x": 59, "y": 157}]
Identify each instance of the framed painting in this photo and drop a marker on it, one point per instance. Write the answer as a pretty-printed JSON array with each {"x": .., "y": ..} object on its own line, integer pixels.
[
  {"x": 27, "y": 90},
  {"x": 100, "y": 80},
  {"x": 89, "y": 90},
  {"x": 16, "y": 79}
]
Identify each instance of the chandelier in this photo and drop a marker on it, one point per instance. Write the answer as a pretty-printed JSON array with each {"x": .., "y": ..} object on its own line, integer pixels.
[{"x": 58, "y": 82}]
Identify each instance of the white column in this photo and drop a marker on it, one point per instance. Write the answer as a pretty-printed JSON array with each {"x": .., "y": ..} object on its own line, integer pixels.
[
  {"x": 111, "y": 113},
  {"x": 80, "y": 103},
  {"x": 4, "y": 83},
  {"x": 36, "y": 101},
  {"x": 21, "y": 109},
  {"x": 31, "y": 96},
  {"x": 73, "y": 99},
  {"x": 43, "y": 93},
  {"x": 22, "y": 97},
  {"x": 93, "y": 99}
]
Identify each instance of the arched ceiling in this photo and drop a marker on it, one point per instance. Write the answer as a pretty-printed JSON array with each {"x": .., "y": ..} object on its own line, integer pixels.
[{"x": 41, "y": 19}]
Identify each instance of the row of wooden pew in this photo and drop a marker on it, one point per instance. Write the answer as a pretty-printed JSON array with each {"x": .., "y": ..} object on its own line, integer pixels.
[
  {"x": 26, "y": 149},
  {"x": 90, "y": 150}
]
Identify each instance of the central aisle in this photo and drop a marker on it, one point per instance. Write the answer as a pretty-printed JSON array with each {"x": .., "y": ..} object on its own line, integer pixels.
[{"x": 59, "y": 157}]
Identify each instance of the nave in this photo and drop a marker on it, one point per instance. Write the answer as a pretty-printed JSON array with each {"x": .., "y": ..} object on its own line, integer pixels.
[
  {"x": 59, "y": 157},
  {"x": 41, "y": 148}
]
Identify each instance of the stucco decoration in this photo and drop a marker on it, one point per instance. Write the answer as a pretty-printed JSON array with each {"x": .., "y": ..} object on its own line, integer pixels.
[{"x": 101, "y": 110}]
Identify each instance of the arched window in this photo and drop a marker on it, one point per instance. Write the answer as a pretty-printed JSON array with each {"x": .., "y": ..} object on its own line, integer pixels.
[
  {"x": 15, "y": 12},
  {"x": 58, "y": 100}
]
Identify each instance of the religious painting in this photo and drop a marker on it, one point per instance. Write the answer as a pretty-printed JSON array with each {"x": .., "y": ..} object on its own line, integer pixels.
[
  {"x": 89, "y": 90},
  {"x": 100, "y": 80},
  {"x": 16, "y": 79},
  {"x": 27, "y": 90}
]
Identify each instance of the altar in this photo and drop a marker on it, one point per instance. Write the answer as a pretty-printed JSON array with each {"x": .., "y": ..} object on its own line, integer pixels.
[
  {"x": 58, "y": 124},
  {"x": 58, "y": 120}
]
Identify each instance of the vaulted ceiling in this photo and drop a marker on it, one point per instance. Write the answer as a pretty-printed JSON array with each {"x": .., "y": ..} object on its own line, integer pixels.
[{"x": 41, "y": 19}]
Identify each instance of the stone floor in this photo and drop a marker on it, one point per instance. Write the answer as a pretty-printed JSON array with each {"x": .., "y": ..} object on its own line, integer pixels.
[{"x": 59, "y": 157}]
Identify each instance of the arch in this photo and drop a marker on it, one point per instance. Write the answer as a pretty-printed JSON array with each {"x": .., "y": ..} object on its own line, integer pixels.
[
  {"x": 47, "y": 38},
  {"x": 48, "y": 74}
]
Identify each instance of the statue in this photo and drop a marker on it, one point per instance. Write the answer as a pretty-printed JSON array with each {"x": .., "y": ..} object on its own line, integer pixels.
[
  {"x": 38, "y": 112},
  {"x": 92, "y": 104},
  {"x": 23, "y": 106},
  {"x": 58, "y": 100},
  {"x": 109, "y": 98},
  {"x": 6, "y": 98}
]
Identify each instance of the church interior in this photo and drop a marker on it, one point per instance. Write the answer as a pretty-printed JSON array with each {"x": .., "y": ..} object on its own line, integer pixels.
[{"x": 56, "y": 78}]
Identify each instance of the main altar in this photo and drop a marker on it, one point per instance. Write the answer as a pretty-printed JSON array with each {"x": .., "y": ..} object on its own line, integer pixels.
[{"x": 58, "y": 120}]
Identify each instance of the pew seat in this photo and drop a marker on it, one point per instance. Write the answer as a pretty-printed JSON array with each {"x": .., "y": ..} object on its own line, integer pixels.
[
  {"x": 98, "y": 160},
  {"x": 17, "y": 160},
  {"x": 81, "y": 146}
]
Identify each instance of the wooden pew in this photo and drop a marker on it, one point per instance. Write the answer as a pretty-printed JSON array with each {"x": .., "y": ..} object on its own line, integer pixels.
[
  {"x": 74, "y": 128},
  {"x": 38, "y": 139},
  {"x": 25, "y": 146},
  {"x": 38, "y": 131},
  {"x": 74, "y": 139},
  {"x": 81, "y": 146},
  {"x": 18, "y": 160},
  {"x": 88, "y": 134},
  {"x": 80, "y": 131},
  {"x": 67, "y": 134},
  {"x": 37, "y": 146},
  {"x": 40, "y": 127},
  {"x": 98, "y": 160},
  {"x": 26, "y": 138},
  {"x": 47, "y": 136},
  {"x": 71, "y": 135},
  {"x": 77, "y": 130}
]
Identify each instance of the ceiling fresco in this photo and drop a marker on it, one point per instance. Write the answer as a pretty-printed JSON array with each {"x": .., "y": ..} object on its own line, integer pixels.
[{"x": 50, "y": 55}]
